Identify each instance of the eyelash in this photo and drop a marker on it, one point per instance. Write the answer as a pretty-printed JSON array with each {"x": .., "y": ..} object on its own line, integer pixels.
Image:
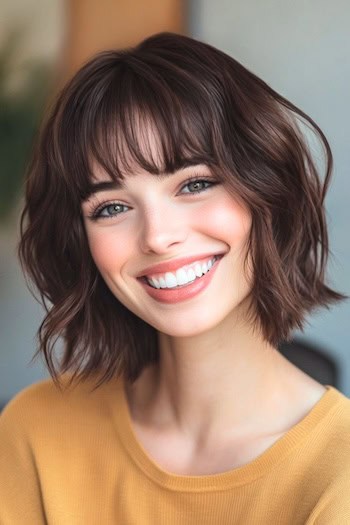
[{"x": 96, "y": 213}]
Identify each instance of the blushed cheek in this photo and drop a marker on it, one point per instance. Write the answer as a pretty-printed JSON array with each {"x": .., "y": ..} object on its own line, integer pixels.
[
  {"x": 106, "y": 252},
  {"x": 227, "y": 220}
]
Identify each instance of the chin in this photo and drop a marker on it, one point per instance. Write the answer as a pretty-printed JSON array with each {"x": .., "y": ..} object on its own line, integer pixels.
[{"x": 185, "y": 326}]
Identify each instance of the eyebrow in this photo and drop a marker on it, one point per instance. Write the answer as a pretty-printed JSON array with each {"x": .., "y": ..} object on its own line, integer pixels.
[
  {"x": 108, "y": 185},
  {"x": 103, "y": 186}
]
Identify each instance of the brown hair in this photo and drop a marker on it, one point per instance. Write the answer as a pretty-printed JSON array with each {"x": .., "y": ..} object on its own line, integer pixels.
[{"x": 206, "y": 108}]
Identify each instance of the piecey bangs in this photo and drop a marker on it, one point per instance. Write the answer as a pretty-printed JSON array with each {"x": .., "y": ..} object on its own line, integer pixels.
[
  {"x": 140, "y": 102},
  {"x": 198, "y": 106}
]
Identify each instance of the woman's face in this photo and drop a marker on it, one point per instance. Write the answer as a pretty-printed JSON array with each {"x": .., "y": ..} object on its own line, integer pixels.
[{"x": 153, "y": 220}]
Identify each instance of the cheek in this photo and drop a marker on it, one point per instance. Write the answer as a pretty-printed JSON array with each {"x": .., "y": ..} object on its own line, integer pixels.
[
  {"x": 230, "y": 222},
  {"x": 227, "y": 220},
  {"x": 106, "y": 251}
]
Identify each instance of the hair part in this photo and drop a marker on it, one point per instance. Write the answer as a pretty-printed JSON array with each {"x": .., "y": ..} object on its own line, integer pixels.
[{"x": 203, "y": 107}]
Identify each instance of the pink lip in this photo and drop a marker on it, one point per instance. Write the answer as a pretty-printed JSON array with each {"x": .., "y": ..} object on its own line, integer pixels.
[
  {"x": 177, "y": 294},
  {"x": 173, "y": 264}
]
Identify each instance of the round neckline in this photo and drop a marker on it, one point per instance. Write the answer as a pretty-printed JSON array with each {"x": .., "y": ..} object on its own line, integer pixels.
[{"x": 223, "y": 480}]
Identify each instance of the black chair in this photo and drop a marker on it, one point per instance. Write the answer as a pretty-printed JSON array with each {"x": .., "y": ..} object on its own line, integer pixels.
[{"x": 314, "y": 361}]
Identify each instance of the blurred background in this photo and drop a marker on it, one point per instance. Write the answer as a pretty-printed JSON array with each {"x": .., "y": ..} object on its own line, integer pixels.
[{"x": 300, "y": 48}]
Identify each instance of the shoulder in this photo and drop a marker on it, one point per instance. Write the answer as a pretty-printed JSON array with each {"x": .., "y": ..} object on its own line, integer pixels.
[
  {"x": 45, "y": 404},
  {"x": 35, "y": 400},
  {"x": 339, "y": 415},
  {"x": 328, "y": 448},
  {"x": 31, "y": 394},
  {"x": 334, "y": 426},
  {"x": 28, "y": 403}
]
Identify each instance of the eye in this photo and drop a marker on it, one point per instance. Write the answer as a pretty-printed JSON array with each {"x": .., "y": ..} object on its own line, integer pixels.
[
  {"x": 108, "y": 210},
  {"x": 113, "y": 209},
  {"x": 198, "y": 185}
]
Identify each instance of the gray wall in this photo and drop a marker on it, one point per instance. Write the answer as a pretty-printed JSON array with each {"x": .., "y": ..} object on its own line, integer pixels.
[
  {"x": 20, "y": 316},
  {"x": 302, "y": 50}
]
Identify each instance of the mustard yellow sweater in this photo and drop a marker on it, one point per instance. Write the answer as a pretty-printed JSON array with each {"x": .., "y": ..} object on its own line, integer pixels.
[{"x": 72, "y": 458}]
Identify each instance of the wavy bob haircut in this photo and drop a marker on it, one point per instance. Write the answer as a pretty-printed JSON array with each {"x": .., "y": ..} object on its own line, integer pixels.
[{"x": 205, "y": 108}]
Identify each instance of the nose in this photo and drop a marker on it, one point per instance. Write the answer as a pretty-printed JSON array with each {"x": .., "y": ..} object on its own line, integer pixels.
[{"x": 161, "y": 229}]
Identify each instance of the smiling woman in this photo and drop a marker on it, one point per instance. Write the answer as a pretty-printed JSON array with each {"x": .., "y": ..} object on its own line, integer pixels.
[{"x": 174, "y": 227}]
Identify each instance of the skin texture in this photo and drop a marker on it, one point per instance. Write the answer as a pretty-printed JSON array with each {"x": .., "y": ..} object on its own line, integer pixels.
[{"x": 218, "y": 385}]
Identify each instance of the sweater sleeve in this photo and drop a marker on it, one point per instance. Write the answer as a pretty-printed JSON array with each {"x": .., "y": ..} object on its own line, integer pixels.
[{"x": 20, "y": 491}]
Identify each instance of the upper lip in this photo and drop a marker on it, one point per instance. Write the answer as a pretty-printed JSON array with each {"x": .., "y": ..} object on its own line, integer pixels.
[{"x": 174, "y": 264}]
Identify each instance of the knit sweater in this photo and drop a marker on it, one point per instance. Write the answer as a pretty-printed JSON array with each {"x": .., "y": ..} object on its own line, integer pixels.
[{"x": 71, "y": 457}]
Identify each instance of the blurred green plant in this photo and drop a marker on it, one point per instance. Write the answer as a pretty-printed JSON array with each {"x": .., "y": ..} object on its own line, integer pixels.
[{"x": 21, "y": 108}]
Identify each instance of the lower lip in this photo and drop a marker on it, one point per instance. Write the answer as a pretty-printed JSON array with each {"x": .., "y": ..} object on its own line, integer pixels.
[{"x": 177, "y": 294}]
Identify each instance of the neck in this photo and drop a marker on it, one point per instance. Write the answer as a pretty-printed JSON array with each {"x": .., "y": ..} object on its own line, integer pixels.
[{"x": 211, "y": 384}]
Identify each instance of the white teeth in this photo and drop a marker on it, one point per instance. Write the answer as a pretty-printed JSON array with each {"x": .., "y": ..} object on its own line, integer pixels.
[
  {"x": 181, "y": 277},
  {"x": 155, "y": 283},
  {"x": 191, "y": 275},
  {"x": 198, "y": 270},
  {"x": 170, "y": 280}
]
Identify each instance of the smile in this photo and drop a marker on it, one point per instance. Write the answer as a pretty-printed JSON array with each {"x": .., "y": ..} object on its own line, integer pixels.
[
  {"x": 183, "y": 275},
  {"x": 182, "y": 292}
]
